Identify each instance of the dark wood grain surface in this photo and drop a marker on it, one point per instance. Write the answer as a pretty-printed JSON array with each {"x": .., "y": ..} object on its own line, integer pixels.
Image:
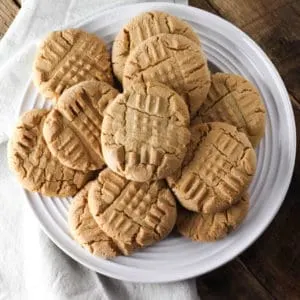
[{"x": 270, "y": 268}]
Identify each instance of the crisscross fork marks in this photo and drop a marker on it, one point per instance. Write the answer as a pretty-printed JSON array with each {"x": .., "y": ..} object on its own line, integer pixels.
[
  {"x": 234, "y": 100},
  {"x": 218, "y": 170},
  {"x": 73, "y": 129},
  {"x": 69, "y": 57},
  {"x": 36, "y": 168},
  {"x": 121, "y": 216},
  {"x": 173, "y": 60},
  {"x": 79, "y": 46},
  {"x": 167, "y": 69},
  {"x": 78, "y": 69},
  {"x": 150, "y": 134},
  {"x": 86, "y": 231},
  {"x": 135, "y": 213},
  {"x": 143, "y": 27}
]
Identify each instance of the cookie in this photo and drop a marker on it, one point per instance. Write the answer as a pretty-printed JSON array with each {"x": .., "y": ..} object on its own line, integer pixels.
[
  {"x": 141, "y": 28},
  {"x": 145, "y": 132},
  {"x": 134, "y": 214},
  {"x": 32, "y": 162},
  {"x": 214, "y": 226},
  {"x": 68, "y": 57},
  {"x": 174, "y": 60},
  {"x": 86, "y": 231},
  {"x": 72, "y": 129},
  {"x": 218, "y": 167},
  {"x": 234, "y": 100}
]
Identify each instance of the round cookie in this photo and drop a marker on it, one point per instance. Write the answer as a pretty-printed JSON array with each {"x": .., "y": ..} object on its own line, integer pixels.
[
  {"x": 141, "y": 28},
  {"x": 145, "y": 132},
  {"x": 218, "y": 167},
  {"x": 174, "y": 60},
  {"x": 32, "y": 162},
  {"x": 134, "y": 214},
  {"x": 67, "y": 57},
  {"x": 86, "y": 231},
  {"x": 72, "y": 129},
  {"x": 214, "y": 226},
  {"x": 234, "y": 100}
]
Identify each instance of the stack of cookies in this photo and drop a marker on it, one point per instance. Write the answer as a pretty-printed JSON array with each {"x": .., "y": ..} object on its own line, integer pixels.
[{"x": 176, "y": 146}]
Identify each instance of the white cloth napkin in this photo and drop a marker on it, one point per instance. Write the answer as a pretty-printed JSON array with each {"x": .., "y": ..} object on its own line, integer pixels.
[{"x": 31, "y": 266}]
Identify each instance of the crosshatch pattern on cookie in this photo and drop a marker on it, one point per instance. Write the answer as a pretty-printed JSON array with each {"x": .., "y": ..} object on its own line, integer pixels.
[
  {"x": 145, "y": 132},
  {"x": 142, "y": 27},
  {"x": 132, "y": 213},
  {"x": 68, "y": 57},
  {"x": 35, "y": 166},
  {"x": 87, "y": 232},
  {"x": 218, "y": 167},
  {"x": 234, "y": 100},
  {"x": 210, "y": 227},
  {"x": 73, "y": 128},
  {"x": 173, "y": 60}
]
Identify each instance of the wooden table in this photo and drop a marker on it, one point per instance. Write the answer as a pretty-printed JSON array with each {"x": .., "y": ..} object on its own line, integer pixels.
[{"x": 270, "y": 268}]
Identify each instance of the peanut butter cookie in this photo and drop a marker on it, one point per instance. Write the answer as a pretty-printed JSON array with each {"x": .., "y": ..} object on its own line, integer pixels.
[
  {"x": 86, "y": 231},
  {"x": 72, "y": 129},
  {"x": 218, "y": 167},
  {"x": 174, "y": 60},
  {"x": 141, "y": 28},
  {"x": 234, "y": 100},
  {"x": 145, "y": 132},
  {"x": 67, "y": 57},
  {"x": 134, "y": 214},
  {"x": 32, "y": 162},
  {"x": 214, "y": 226}
]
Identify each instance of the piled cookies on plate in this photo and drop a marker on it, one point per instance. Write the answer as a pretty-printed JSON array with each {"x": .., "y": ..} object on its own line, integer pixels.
[{"x": 176, "y": 146}]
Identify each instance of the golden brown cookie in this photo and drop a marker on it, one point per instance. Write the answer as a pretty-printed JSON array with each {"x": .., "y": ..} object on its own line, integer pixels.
[
  {"x": 174, "y": 60},
  {"x": 214, "y": 226},
  {"x": 145, "y": 132},
  {"x": 234, "y": 100},
  {"x": 218, "y": 167},
  {"x": 67, "y": 57},
  {"x": 72, "y": 129},
  {"x": 134, "y": 214},
  {"x": 86, "y": 231},
  {"x": 141, "y": 28},
  {"x": 32, "y": 162}
]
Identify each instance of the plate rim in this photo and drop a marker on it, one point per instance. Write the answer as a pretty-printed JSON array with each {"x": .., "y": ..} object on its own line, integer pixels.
[{"x": 239, "y": 247}]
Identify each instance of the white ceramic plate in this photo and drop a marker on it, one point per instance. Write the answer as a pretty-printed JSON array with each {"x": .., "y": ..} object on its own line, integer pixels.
[{"x": 230, "y": 50}]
